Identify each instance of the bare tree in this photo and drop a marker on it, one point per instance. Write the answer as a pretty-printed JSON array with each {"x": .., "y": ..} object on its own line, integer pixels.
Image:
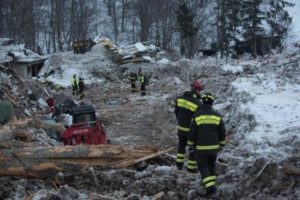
[{"x": 145, "y": 13}]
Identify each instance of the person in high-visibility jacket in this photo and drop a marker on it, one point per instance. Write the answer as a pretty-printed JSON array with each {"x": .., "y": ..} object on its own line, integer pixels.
[
  {"x": 81, "y": 88},
  {"x": 206, "y": 136},
  {"x": 132, "y": 80},
  {"x": 74, "y": 84},
  {"x": 142, "y": 81},
  {"x": 186, "y": 106}
]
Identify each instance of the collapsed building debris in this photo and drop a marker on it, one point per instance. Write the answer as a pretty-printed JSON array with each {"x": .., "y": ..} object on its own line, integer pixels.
[
  {"x": 25, "y": 62},
  {"x": 138, "y": 52}
]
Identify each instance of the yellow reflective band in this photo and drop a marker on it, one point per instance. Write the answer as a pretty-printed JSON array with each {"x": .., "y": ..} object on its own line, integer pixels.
[
  {"x": 208, "y": 119},
  {"x": 210, "y": 147},
  {"x": 222, "y": 142},
  {"x": 209, "y": 178},
  {"x": 180, "y": 155},
  {"x": 190, "y": 142},
  {"x": 187, "y": 105},
  {"x": 192, "y": 162},
  {"x": 209, "y": 184},
  {"x": 183, "y": 128},
  {"x": 180, "y": 160},
  {"x": 208, "y": 96},
  {"x": 191, "y": 167}
]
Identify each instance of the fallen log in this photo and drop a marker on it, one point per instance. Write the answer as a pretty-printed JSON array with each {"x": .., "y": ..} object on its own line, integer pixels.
[
  {"x": 290, "y": 169},
  {"x": 41, "y": 162}
]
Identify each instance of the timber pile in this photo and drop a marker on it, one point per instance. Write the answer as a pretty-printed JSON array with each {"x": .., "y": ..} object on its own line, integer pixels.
[{"x": 43, "y": 162}]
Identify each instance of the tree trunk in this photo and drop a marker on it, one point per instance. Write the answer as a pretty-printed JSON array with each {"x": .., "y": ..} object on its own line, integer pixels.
[
  {"x": 43, "y": 162},
  {"x": 124, "y": 2}
]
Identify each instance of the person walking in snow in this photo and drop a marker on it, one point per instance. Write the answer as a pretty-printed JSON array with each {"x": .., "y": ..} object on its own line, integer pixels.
[
  {"x": 206, "y": 136},
  {"x": 81, "y": 88},
  {"x": 74, "y": 85},
  {"x": 132, "y": 80},
  {"x": 186, "y": 106},
  {"x": 142, "y": 81}
]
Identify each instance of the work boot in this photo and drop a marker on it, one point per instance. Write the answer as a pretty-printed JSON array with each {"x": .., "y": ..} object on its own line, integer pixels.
[
  {"x": 179, "y": 166},
  {"x": 210, "y": 191}
]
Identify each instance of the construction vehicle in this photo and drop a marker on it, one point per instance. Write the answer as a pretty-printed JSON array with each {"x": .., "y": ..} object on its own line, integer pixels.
[{"x": 82, "y": 124}]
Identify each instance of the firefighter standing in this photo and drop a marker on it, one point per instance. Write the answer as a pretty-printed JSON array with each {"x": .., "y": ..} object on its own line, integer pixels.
[
  {"x": 142, "y": 81},
  {"x": 186, "y": 106},
  {"x": 206, "y": 136},
  {"x": 133, "y": 79},
  {"x": 74, "y": 85},
  {"x": 75, "y": 47},
  {"x": 80, "y": 88}
]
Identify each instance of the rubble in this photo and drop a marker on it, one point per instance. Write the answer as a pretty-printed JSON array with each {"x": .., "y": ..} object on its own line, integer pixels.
[
  {"x": 138, "y": 52},
  {"x": 251, "y": 166}
]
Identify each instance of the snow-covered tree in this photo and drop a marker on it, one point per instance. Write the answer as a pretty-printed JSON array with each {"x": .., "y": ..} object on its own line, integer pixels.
[{"x": 278, "y": 18}]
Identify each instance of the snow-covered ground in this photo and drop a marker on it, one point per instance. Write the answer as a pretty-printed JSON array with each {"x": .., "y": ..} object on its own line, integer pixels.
[{"x": 276, "y": 110}]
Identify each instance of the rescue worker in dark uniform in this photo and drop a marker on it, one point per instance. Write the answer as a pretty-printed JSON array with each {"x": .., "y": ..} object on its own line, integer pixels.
[
  {"x": 186, "y": 106},
  {"x": 75, "y": 47},
  {"x": 80, "y": 88},
  {"x": 142, "y": 81},
  {"x": 132, "y": 80},
  {"x": 207, "y": 135},
  {"x": 81, "y": 47},
  {"x": 74, "y": 85}
]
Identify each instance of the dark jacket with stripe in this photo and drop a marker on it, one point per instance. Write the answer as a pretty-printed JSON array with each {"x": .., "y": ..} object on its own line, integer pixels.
[
  {"x": 186, "y": 106},
  {"x": 207, "y": 131}
]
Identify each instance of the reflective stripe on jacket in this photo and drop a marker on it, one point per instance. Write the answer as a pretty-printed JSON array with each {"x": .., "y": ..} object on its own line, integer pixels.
[
  {"x": 186, "y": 106},
  {"x": 142, "y": 78},
  {"x": 207, "y": 130},
  {"x": 74, "y": 82},
  {"x": 132, "y": 78}
]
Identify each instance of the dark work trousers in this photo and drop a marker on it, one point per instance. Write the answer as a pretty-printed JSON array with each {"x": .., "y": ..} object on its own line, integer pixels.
[
  {"x": 207, "y": 168},
  {"x": 181, "y": 149},
  {"x": 81, "y": 94},
  {"x": 133, "y": 87},
  {"x": 74, "y": 90},
  {"x": 143, "y": 89}
]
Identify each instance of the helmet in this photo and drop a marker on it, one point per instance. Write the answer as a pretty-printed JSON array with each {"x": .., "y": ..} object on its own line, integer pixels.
[
  {"x": 207, "y": 98},
  {"x": 197, "y": 85}
]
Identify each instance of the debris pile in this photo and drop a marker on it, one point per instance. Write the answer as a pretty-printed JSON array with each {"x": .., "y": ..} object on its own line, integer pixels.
[
  {"x": 138, "y": 52},
  {"x": 27, "y": 96}
]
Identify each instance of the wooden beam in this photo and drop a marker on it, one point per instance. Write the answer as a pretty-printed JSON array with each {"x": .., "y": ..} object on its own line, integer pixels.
[
  {"x": 48, "y": 161},
  {"x": 290, "y": 169}
]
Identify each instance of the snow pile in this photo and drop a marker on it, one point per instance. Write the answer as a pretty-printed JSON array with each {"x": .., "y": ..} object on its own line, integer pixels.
[
  {"x": 60, "y": 67},
  {"x": 231, "y": 68},
  {"x": 163, "y": 61},
  {"x": 276, "y": 109}
]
